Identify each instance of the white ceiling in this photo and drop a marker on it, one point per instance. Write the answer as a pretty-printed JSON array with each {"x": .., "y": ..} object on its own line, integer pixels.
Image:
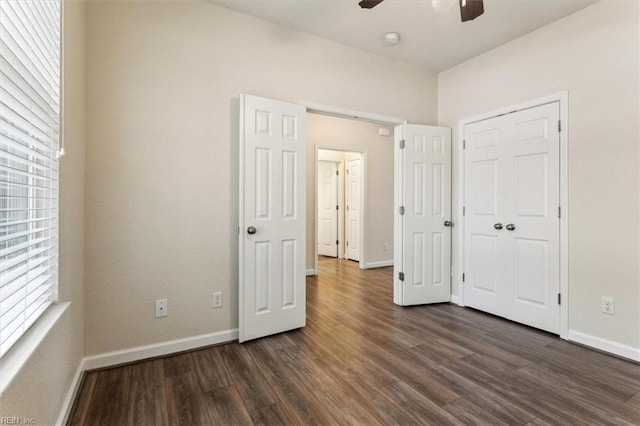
[{"x": 429, "y": 40}]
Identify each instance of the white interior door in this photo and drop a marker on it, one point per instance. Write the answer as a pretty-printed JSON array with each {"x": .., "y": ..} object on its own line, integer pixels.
[
  {"x": 272, "y": 217},
  {"x": 512, "y": 224},
  {"x": 328, "y": 208},
  {"x": 422, "y": 245},
  {"x": 486, "y": 182},
  {"x": 353, "y": 194}
]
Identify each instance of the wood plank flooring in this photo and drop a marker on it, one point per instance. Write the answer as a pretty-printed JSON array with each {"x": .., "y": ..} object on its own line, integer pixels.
[{"x": 363, "y": 360}]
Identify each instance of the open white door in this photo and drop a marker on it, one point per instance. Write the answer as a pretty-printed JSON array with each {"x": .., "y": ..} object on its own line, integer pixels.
[
  {"x": 328, "y": 208},
  {"x": 354, "y": 174},
  {"x": 422, "y": 227},
  {"x": 272, "y": 217}
]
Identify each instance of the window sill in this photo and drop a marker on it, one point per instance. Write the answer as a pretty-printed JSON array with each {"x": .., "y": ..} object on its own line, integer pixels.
[{"x": 13, "y": 361}]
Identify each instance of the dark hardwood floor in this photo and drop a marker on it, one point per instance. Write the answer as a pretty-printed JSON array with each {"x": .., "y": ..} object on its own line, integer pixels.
[{"x": 363, "y": 360}]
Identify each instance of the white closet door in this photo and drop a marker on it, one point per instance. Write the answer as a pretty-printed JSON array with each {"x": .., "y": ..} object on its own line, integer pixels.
[
  {"x": 328, "y": 208},
  {"x": 533, "y": 247},
  {"x": 486, "y": 185},
  {"x": 272, "y": 217},
  {"x": 512, "y": 227},
  {"x": 422, "y": 248}
]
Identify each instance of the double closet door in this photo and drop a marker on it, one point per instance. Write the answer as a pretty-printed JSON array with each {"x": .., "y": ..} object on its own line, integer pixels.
[{"x": 511, "y": 213}]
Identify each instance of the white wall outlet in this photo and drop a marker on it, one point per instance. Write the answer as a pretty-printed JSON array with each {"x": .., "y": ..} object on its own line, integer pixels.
[
  {"x": 217, "y": 299},
  {"x": 385, "y": 246},
  {"x": 161, "y": 308},
  {"x": 608, "y": 306}
]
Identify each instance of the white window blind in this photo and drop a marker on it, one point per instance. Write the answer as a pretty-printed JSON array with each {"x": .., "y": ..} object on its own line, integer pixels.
[{"x": 29, "y": 136}]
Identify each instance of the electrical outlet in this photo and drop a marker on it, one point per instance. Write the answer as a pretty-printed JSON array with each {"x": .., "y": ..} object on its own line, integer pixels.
[
  {"x": 161, "y": 308},
  {"x": 608, "y": 306},
  {"x": 385, "y": 246},
  {"x": 217, "y": 299}
]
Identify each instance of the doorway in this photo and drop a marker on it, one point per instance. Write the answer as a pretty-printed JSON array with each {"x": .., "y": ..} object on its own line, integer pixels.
[
  {"x": 361, "y": 152},
  {"x": 340, "y": 203}
]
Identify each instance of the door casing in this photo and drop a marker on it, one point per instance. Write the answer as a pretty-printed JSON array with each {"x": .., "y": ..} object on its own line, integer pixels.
[{"x": 458, "y": 238}]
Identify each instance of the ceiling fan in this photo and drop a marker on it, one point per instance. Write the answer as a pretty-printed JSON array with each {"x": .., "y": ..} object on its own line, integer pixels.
[{"x": 469, "y": 9}]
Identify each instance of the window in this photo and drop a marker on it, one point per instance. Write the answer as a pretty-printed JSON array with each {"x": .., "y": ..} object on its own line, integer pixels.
[{"x": 29, "y": 137}]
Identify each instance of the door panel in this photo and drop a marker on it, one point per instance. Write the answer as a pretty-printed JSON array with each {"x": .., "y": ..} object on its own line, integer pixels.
[
  {"x": 422, "y": 247},
  {"x": 485, "y": 179},
  {"x": 354, "y": 173},
  {"x": 535, "y": 242},
  {"x": 272, "y": 176},
  {"x": 327, "y": 208},
  {"x": 518, "y": 275}
]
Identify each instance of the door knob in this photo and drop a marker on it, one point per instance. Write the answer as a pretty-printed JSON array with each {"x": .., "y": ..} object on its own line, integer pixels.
[
  {"x": 251, "y": 230},
  {"x": 448, "y": 223},
  {"x": 510, "y": 227},
  {"x": 497, "y": 226}
]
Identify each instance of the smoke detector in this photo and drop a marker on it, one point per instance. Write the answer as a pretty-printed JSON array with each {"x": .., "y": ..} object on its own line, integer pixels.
[{"x": 391, "y": 38}]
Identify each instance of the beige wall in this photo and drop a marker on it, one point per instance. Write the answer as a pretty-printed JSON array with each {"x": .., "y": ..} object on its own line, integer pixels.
[
  {"x": 594, "y": 54},
  {"x": 41, "y": 386},
  {"x": 352, "y": 135},
  {"x": 162, "y": 155}
]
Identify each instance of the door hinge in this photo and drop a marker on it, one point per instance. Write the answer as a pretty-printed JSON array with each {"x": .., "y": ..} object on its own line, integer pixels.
[
  {"x": 401, "y": 210},
  {"x": 464, "y": 144},
  {"x": 347, "y": 171},
  {"x": 559, "y": 298},
  {"x": 337, "y": 172},
  {"x": 559, "y": 126},
  {"x": 337, "y": 208},
  {"x": 463, "y": 277},
  {"x": 464, "y": 210},
  {"x": 559, "y": 213},
  {"x": 401, "y": 276},
  {"x": 402, "y": 143},
  {"x": 337, "y": 242},
  {"x": 347, "y": 243}
]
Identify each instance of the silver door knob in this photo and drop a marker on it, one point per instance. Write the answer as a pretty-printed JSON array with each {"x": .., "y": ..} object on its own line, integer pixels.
[
  {"x": 448, "y": 223},
  {"x": 251, "y": 230},
  {"x": 497, "y": 226},
  {"x": 510, "y": 227}
]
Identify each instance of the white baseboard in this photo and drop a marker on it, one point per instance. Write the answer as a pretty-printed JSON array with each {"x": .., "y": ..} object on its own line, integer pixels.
[
  {"x": 624, "y": 351},
  {"x": 381, "y": 264},
  {"x": 311, "y": 272},
  {"x": 67, "y": 404},
  {"x": 455, "y": 299},
  {"x": 158, "y": 349}
]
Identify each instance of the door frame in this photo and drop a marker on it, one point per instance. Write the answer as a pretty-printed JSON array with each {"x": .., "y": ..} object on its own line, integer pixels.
[
  {"x": 458, "y": 252},
  {"x": 334, "y": 111},
  {"x": 341, "y": 222}
]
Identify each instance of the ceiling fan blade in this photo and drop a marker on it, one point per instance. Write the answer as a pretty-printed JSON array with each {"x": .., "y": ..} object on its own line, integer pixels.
[
  {"x": 471, "y": 9},
  {"x": 369, "y": 4}
]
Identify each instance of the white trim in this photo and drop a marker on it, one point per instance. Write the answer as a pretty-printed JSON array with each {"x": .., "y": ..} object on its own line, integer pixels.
[
  {"x": 67, "y": 405},
  {"x": 458, "y": 252},
  {"x": 615, "y": 348},
  {"x": 350, "y": 113},
  {"x": 16, "y": 358},
  {"x": 379, "y": 264},
  {"x": 138, "y": 353},
  {"x": 456, "y": 300},
  {"x": 311, "y": 272}
]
